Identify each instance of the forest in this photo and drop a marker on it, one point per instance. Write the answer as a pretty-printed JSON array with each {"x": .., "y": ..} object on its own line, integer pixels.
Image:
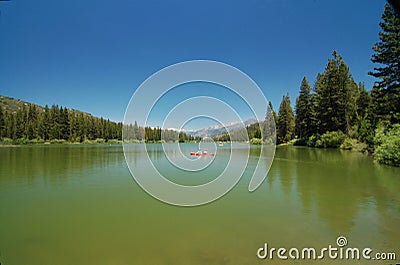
[
  {"x": 339, "y": 113},
  {"x": 136, "y": 133},
  {"x": 33, "y": 124}
]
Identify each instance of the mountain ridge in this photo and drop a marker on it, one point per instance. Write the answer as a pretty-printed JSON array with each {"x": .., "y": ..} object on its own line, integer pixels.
[{"x": 219, "y": 129}]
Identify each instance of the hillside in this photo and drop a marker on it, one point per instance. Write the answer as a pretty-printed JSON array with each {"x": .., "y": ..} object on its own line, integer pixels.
[
  {"x": 13, "y": 105},
  {"x": 24, "y": 122}
]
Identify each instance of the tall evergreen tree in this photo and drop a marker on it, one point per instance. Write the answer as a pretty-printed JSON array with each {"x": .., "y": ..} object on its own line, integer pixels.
[
  {"x": 273, "y": 112},
  {"x": 64, "y": 123},
  {"x": 31, "y": 130},
  {"x": 92, "y": 128},
  {"x": 336, "y": 94},
  {"x": 386, "y": 92},
  {"x": 363, "y": 101},
  {"x": 44, "y": 127},
  {"x": 73, "y": 126},
  {"x": 2, "y": 124},
  {"x": 269, "y": 125},
  {"x": 54, "y": 132},
  {"x": 136, "y": 132},
  {"x": 20, "y": 122},
  {"x": 286, "y": 123},
  {"x": 350, "y": 95},
  {"x": 12, "y": 125},
  {"x": 304, "y": 111}
]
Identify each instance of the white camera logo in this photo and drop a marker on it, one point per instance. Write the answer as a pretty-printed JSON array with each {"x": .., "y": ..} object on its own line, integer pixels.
[{"x": 152, "y": 180}]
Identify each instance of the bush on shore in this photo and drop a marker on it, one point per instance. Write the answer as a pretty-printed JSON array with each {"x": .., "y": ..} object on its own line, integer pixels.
[
  {"x": 387, "y": 145},
  {"x": 354, "y": 145},
  {"x": 327, "y": 140},
  {"x": 256, "y": 141}
]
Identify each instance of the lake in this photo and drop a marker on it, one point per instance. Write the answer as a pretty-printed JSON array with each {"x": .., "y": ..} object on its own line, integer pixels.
[{"x": 78, "y": 204}]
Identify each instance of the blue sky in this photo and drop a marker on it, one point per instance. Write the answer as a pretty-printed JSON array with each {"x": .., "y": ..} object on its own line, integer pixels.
[{"x": 92, "y": 55}]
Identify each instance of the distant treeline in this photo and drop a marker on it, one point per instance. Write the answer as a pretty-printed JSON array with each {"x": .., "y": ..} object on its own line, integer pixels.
[
  {"x": 136, "y": 133},
  {"x": 55, "y": 123},
  {"x": 257, "y": 133},
  {"x": 33, "y": 124}
]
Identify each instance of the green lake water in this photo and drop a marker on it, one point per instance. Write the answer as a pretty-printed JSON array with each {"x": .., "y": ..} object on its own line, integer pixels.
[{"x": 79, "y": 204}]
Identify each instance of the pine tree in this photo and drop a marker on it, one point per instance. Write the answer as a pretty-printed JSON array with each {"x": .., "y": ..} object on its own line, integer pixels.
[
  {"x": 363, "y": 101},
  {"x": 82, "y": 132},
  {"x": 44, "y": 124},
  {"x": 386, "y": 92},
  {"x": 74, "y": 126},
  {"x": 350, "y": 95},
  {"x": 12, "y": 125},
  {"x": 336, "y": 94},
  {"x": 182, "y": 137},
  {"x": 53, "y": 122},
  {"x": 64, "y": 123},
  {"x": 2, "y": 124},
  {"x": 20, "y": 122},
  {"x": 136, "y": 131},
  {"x": 269, "y": 125},
  {"x": 286, "y": 123},
  {"x": 273, "y": 112},
  {"x": 31, "y": 130},
  {"x": 304, "y": 111}
]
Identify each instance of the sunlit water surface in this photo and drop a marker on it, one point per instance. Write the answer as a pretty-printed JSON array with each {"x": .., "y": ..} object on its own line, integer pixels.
[{"x": 80, "y": 205}]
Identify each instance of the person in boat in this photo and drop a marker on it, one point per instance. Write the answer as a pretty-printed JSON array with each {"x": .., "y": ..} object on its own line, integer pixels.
[{"x": 200, "y": 152}]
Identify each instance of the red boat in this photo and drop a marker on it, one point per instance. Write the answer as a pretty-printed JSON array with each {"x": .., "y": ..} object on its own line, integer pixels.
[{"x": 201, "y": 153}]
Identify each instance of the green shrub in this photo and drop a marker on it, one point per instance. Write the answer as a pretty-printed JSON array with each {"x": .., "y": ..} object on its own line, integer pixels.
[
  {"x": 269, "y": 141},
  {"x": 87, "y": 141},
  {"x": 354, "y": 145},
  {"x": 36, "y": 141},
  {"x": 319, "y": 144},
  {"x": 134, "y": 141},
  {"x": 256, "y": 141},
  {"x": 331, "y": 139},
  {"x": 6, "y": 140},
  {"x": 312, "y": 140},
  {"x": 353, "y": 132},
  {"x": 327, "y": 140},
  {"x": 100, "y": 141},
  {"x": 348, "y": 144},
  {"x": 387, "y": 145},
  {"x": 113, "y": 141},
  {"x": 58, "y": 141},
  {"x": 360, "y": 147},
  {"x": 22, "y": 140}
]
